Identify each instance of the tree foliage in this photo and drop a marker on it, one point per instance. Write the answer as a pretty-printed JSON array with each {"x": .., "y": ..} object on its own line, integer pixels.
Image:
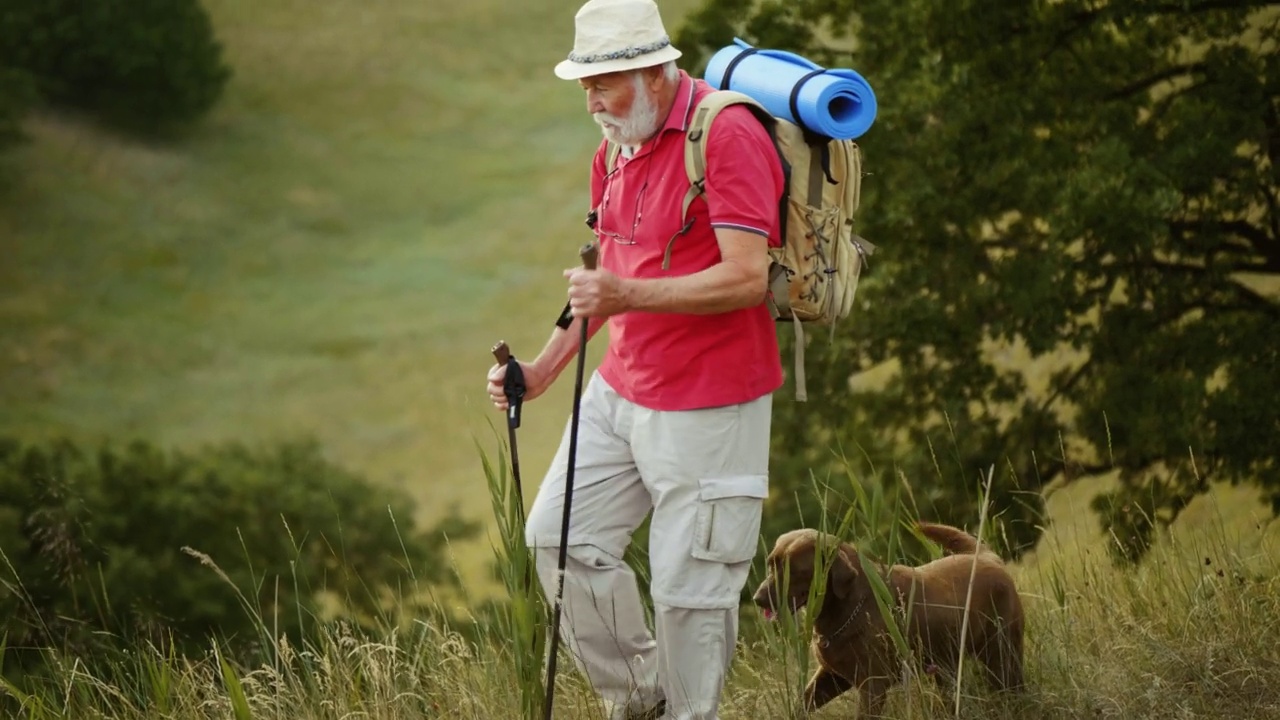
[
  {"x": 104, "y": 549},
  {"x": 16, "y": 95},
  {"x": 146, "y": 65},
  {"x": 1076, "y": 205}
]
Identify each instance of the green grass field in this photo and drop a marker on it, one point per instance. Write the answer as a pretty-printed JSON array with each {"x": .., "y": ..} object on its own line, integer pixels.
[{"x": 383, "y": 192}]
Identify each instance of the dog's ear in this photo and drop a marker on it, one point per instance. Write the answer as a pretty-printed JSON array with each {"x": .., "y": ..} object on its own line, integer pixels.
[{"x": 842, "y": 573}]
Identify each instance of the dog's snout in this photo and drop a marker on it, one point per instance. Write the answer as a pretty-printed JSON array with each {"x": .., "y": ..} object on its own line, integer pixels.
[{"x": 763, "y": 596}]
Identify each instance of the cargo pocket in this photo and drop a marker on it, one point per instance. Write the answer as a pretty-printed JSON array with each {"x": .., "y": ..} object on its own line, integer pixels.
[{"x": 727, "y": 526}]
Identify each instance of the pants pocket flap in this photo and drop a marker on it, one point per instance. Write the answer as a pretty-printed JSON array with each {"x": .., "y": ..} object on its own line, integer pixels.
[{"x": 715, "y": 488}]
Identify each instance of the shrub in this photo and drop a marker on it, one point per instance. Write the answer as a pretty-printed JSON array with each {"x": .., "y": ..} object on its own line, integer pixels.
[
  {"x": 15, "y": 97},
  {"x": 101, "y": 551},
  {"x": 141, "y": 64}
]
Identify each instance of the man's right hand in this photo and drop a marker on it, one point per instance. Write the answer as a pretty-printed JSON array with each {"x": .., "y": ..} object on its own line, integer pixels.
[{"x": 536, "y": 380}]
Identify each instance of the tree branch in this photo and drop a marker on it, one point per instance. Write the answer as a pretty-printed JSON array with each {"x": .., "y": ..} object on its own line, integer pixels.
[
  {"x": 1252, "y": 300},
  {"x": 1150, "y": 81},
  {"x": 1074, "y": 471},
  {"x": 1068, "y": 384},
  {"x": 1271, "y": 120},
  {"x": 1086, "y": 17},
  {"x": 1081, "y": 20},
  {"x": 1208, "y": 6},
  {"x": 1257, "y": 239}
]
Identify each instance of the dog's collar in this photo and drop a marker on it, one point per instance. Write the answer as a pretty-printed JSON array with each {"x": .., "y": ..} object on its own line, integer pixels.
[{"x": 857, "y": 609}]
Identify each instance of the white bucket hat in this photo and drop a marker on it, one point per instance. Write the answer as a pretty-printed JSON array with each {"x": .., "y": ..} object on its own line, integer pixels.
[{"x": 615, "y": 35}]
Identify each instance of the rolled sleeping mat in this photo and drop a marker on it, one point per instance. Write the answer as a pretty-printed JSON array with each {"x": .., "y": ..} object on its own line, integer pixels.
[{"x": 835, "y": 102}]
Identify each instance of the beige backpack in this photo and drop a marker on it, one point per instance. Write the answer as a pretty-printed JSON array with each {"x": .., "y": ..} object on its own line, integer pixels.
[{"x": 814, "y": 275}]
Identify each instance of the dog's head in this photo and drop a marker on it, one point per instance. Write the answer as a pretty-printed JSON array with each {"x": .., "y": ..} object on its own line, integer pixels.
[{"x": 796, "y": 557}]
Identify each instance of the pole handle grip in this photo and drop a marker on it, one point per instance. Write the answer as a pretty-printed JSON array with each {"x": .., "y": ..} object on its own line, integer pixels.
[
  {"x": 501, "y": 352},
  {"x": 590, "y": 254}
]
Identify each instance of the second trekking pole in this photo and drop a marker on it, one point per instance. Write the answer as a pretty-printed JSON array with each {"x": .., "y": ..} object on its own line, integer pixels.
[
  {"x": 513, "y": 387},
  {"x": 589, "y": 255}
]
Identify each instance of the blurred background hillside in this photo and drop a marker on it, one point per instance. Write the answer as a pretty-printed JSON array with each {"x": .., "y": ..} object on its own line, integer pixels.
[{"x": 381, "y": 193}]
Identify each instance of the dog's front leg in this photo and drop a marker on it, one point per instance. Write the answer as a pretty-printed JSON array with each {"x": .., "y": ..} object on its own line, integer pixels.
[{"x": 823, "y": 687}]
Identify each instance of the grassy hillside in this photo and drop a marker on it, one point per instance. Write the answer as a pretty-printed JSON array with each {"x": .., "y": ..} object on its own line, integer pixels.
[
  {"x": 1190, "y": 634},
  {"x": 384, "y": 192}
]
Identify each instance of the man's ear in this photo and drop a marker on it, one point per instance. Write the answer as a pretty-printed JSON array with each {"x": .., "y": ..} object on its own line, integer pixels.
[
  {"x": 653, "y": 77},
  {"x": 842, "y": 573}
]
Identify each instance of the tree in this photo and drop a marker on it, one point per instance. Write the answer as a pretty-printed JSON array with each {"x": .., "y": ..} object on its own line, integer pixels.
[
  {"x": 148, "y": 66},
  {"x": 1090, "y": 185}
]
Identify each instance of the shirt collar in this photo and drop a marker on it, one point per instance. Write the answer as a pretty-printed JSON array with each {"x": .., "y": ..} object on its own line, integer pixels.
[{"x": 678, "y": 118}]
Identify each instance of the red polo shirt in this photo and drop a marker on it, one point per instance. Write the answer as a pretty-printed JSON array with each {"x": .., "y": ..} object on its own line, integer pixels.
[{"x": 666, "y": 361}]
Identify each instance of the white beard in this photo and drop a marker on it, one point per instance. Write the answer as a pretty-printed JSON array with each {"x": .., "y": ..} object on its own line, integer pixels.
[{"x": 639, "y": 125}]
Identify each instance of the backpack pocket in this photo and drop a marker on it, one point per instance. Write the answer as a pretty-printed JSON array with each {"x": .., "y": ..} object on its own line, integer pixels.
[{"x": 811, "y": 253}]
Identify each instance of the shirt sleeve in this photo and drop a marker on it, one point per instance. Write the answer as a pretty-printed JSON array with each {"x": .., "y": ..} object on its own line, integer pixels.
[{"x": 744, "y": 175}]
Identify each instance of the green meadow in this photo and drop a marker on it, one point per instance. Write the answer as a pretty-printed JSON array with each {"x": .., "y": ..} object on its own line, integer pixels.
[{"x": 382, "y": 193}]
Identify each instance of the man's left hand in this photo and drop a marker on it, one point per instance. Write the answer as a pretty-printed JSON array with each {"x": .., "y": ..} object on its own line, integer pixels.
[{"x": 595, "y": 293}]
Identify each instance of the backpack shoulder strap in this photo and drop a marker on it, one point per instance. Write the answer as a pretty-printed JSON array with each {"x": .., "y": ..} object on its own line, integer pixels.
[
  {"x": 695, "y": 146},
  {"x": 695, "y": 164}
]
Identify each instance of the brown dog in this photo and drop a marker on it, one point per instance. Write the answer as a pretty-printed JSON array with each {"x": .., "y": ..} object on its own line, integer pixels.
[{"x": 851, "y": 642}]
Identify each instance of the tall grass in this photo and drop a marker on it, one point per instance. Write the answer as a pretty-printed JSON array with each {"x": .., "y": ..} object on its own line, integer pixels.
[
  {"x": 523, "y": 623},
  {"x": 1194, "y": 632}
]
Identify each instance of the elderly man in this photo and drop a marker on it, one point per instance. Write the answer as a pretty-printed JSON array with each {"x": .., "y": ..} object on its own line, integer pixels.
[{"x": 676, "y": 419}]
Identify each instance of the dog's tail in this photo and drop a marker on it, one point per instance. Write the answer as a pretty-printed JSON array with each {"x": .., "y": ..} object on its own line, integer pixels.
[{"x": 953, "y": 539}]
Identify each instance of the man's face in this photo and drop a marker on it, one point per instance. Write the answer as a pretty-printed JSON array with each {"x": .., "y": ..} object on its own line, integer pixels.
[{"x": 624, "y": 105}]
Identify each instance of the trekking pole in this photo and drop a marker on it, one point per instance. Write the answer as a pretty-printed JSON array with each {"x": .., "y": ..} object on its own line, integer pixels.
[
  {"x": 588, "y": 254},
  {"x": 513, "y": 387}
]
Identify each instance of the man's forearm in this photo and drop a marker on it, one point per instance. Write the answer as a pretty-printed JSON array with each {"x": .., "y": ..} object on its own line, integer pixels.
[
  {"x": 562, "y": 347},
  {"x": 723, "y": 287}
]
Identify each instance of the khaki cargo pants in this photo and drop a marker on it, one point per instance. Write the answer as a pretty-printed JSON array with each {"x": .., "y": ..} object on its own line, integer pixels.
[{"x": 703, "y": 473}]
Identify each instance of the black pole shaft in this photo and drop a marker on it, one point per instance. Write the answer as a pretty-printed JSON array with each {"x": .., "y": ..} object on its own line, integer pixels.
[
  {"x": 515, "y": 467},
  {"x": 588, "y": 254}
]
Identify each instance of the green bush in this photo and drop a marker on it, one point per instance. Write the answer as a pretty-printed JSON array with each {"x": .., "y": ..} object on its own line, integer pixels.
[
  {"x": 15, "y": 97},
  {"x": 103, "y": 551},
  {"x": 141, "y": 64}
]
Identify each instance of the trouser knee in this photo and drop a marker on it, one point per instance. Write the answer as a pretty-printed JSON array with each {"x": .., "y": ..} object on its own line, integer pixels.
[{"x": 580, "y": 559}]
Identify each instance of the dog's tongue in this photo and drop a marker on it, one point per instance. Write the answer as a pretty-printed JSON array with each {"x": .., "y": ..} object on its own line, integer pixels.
[{"x": 769, "y": 614}]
